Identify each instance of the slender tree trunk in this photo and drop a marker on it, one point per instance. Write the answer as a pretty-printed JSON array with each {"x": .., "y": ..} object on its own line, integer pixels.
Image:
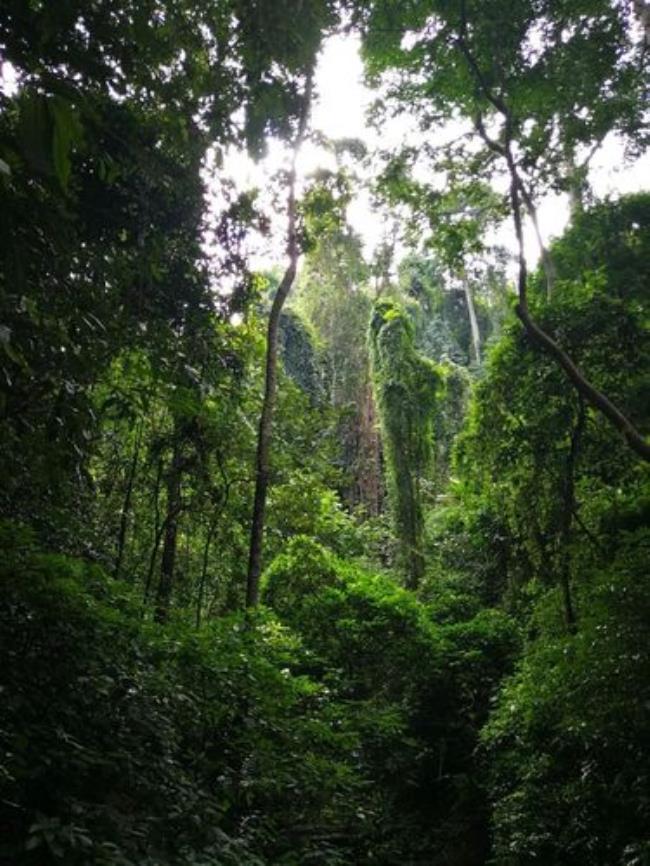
[
  {"x": 568, "y": 511},
  {"x": 168, "y": 561},
  {"x": 548, "y": 263},
  {"x": 157, "y": 532},
  {"x": 262, "y": 467},
  {"x": 518, "y": 192},
  {"x": 204, "y": 570},
  {"x": 583, "y": 386},
  {"x": 126, "y": 505},
  {"x": 473, "y": 321}
]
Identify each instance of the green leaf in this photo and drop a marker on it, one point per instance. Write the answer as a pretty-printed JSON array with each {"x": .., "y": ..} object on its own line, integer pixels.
[
  {"x": 10, "y": 351},
  {"x": 34, "y": 131},
  {"x": 67, "y": 132}
]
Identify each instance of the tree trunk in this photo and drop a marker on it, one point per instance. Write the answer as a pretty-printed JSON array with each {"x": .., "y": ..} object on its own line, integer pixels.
[
  {"x": 568, "y": 512},
  {"x": 518, "y": 192},
  {"x": 262, "y": 466},
  {"x": 473, "y": 321},
  {"x": 415, "y": 555},
  {"x": 583, "y": 386},
  {"x": 168, "y": 561},
  {"x": 157, "y": 532},
  {"x": 204, "y": 570},
  {"x": 368, "y": 469},
  {"x": 126, "y": 504}
]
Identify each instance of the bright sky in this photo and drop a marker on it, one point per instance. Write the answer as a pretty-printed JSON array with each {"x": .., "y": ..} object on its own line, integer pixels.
[{"x": 340, "y": 112}]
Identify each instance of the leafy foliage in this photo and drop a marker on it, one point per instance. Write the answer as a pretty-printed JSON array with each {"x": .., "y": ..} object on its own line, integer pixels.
[
  {"x": 152, "y": 746},
  {"x": 492, "y": 710},
  {"x": 569, "y": 767},
  {"x": 405, "y": 385}
]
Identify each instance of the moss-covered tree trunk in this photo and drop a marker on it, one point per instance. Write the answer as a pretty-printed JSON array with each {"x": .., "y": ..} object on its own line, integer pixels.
[
  {"x": 405, "y": 385},
  {"x": 368, "y": 471}
]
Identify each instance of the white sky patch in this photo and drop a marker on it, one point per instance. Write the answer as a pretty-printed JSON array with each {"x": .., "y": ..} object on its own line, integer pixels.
[
  {"x": 8, "y": 80},
  {"x": 342, "y": 96},
  {"x": 339, "y": 111}
]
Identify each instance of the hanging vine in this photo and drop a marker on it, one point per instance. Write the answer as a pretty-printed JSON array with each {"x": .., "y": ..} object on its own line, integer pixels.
[{"x": 406, "y": 386}]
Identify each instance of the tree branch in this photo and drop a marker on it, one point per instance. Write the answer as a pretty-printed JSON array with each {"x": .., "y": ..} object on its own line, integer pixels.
[
  {"x": 595, "y": 398},
  {"x": 591, "y": 394}
]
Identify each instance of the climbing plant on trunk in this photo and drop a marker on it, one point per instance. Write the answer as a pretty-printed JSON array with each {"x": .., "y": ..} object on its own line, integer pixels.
[{"x": 405, "y": 386}]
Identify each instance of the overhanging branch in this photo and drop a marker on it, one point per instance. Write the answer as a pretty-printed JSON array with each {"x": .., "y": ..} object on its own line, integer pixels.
[{"x": 592, "y": 395}]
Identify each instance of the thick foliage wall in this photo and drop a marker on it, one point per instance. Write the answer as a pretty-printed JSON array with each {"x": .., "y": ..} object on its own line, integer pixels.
[
  {"x": 555, "y": 520},
  {"x": 405, "y": 387}
]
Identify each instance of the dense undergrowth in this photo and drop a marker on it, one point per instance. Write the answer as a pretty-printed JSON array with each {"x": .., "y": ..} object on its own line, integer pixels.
[
  {"x": 302, "y": 733},
  {"x": 346, "y": 722}
]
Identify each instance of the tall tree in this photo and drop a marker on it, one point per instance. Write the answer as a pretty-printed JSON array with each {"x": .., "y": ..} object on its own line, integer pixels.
[
  {"x": 405, "y": 386},
  {"x": 473, "y": 319},
  {"x": 262, "y": 461},
  {"x": 334, "y": 295},
  {"x": 508, "y": 70}
]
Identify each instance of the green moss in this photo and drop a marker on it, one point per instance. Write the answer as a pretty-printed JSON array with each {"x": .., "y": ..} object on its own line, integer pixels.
[{"x": 406, "y": 386}]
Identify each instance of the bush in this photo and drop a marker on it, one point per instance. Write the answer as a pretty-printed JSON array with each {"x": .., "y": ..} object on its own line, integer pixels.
[
  {"x": 414, "y": 690},
  {"x": 125, "y": 743},
  {"x": 569, "y": 739}
]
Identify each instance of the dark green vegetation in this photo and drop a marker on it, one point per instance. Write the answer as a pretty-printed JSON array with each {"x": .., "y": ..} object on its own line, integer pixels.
[{"x": 450, "y": 660}]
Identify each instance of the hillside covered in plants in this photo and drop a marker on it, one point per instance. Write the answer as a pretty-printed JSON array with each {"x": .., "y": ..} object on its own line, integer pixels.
[{"x": 319, "y": 550}]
